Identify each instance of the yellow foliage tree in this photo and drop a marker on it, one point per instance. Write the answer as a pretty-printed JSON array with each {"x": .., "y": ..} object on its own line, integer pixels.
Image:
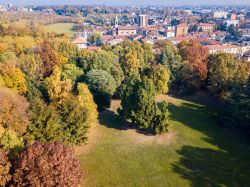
[
  {"x": 85, "y": 99},
  {"x": 12, "y": 77},
  {"x": 161, "y": 79},
  {"x": 55, "y": 87}
]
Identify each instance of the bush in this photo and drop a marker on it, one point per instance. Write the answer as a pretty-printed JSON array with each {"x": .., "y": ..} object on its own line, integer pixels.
[{"x": 51, "y": 164}]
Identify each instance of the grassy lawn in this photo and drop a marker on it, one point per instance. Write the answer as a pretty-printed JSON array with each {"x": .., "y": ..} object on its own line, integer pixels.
[
  {"x": 61, "y": 28},
  {"x": 195, "y": 152}
]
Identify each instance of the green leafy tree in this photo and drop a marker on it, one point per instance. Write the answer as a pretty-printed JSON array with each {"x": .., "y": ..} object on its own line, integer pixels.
[
  {"x": 102, "y": 85},
  {"x": 74, "y": 119},
  {"x": 101, "y": 60},
  {"x": 71, "y": 72},
  {"x": 161, "y": 119},
  {"x": 138, "y": 105},
  {"x": 46, "y": 125},
  {"x": 170, "y": 58},
  {"x": 137, "y": 97}
]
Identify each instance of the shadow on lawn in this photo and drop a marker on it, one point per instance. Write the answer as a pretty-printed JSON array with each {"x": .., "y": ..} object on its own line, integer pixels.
[
  {"x": 110, "y": 119},
  {"x": 229, "y": 166}
]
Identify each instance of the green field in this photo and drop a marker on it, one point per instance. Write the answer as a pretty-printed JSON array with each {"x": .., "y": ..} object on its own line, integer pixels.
[
  {"x": 196, "y": 151},
  {"x": 62, "y": 28}
]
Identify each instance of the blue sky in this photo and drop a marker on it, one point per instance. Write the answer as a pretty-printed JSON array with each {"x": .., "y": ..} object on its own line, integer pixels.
[{"x": 129, "y": 2}]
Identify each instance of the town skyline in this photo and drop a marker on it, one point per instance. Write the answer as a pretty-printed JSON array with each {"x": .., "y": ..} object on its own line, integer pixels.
[{"x": 129, "y": 2}]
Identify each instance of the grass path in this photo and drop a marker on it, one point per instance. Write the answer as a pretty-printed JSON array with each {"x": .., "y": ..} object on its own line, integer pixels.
[
  {"x": 61, "y": 28},
  {"x": 196, "y": 151}
]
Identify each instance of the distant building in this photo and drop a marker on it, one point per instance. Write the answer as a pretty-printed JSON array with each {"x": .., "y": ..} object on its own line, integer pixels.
[
  {"x": 247, "y": 16},
  {"x": 214, "y": 49},
  {"x": 151, "y": 21},
  {"x": 181, "y": 30},
  {"x": 80, "y": 42},
  {"x": 143, "y": 20},
  {"x": 233, "y": 16},
  {"x": 205, "y": 27},
  {"x": 126, "y": 30},
  {"x": 170, "y": 31},
  {"x": 229, "y": 22},
  {"x": 220, "y": 14}
]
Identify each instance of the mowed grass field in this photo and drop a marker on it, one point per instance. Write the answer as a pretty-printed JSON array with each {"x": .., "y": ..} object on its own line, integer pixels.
[
  {"x": 61, "y": 28},
  {"x": 195, "y": 152}
]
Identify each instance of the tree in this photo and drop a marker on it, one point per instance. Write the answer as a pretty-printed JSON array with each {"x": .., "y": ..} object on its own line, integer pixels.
[
  {"x": 160, "y": 77},
  {"x": 138, "y": 102},
  {"x": 138, "y": 105},
  {"x": 72, "y": 72},
  {"x": 46, "y": 125},
  {"x": 226, "y": 74},
  {"x": 55, "y": 87},
  {"x": 12, "y": 77},
  {"x": 4, "y": 168},
  {"x": 52, "y": 164},
  {"x": 85, "y": 99},
  {"x": 196, "y": 57},
  {"x": 131, "y": 65},
  {"x": 161, "y": 119},
  {"x": 9, "y": 141},
  {"x": 170, "y": 58},
  {"x": 50, "y": 58},
  {"x": 13, "y": 111},
  {"x": 74, "y": 119},
  {"x": 102, "y": 85},
  {"x": 239, "y": 105},
  {"x": 134, "y": 57},
  {"x": 101, "y": 60}
]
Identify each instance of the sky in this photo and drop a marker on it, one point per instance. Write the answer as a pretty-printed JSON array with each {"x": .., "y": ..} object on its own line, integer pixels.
[{"x": 127, "y": 2}]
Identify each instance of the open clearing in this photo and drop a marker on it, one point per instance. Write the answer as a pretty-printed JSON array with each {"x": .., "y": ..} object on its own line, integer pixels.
[
  {"x": 196, "y": 151},
  {"x": 60, "y": 28}
]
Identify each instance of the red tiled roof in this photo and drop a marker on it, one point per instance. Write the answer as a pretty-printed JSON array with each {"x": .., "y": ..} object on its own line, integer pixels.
[{"x": 79, "y": 40}]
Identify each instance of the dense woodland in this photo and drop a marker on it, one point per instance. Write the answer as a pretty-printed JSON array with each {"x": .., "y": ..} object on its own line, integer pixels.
[{"x": 51, "y": 94}]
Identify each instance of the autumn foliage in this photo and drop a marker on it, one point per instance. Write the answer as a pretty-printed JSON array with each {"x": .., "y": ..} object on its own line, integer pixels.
[
  {"x": 4, "y": 168},
  {"x": 47, "y": 165}
]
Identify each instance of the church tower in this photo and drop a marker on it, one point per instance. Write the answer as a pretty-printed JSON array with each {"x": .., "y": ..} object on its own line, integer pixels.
[{"x": 116, "y": 22}]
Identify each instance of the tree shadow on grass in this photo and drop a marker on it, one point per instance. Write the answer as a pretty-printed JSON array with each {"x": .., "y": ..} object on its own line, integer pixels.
[
  {"x": 211, "y": 168},
  {"x": 111, "y": 119},
  {"x": 227, "y": 166}
]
